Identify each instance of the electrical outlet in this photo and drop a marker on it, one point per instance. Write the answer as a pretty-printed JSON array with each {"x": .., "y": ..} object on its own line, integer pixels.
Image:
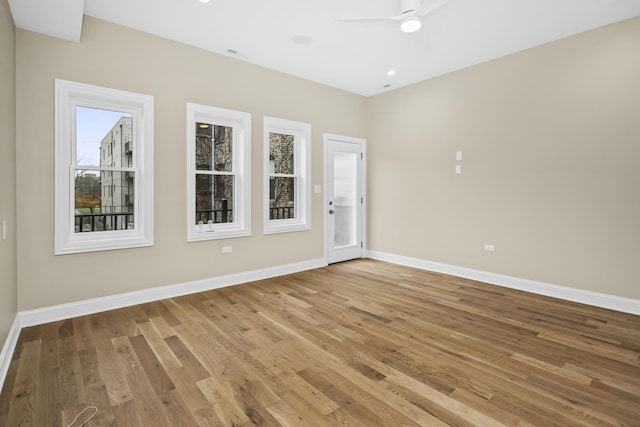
[
  {"x": 4, "y": 229},
  {"x": 227, "y": 249},
  {"x": 489, "y": 248},
  {"x": 458, "y": 169}
]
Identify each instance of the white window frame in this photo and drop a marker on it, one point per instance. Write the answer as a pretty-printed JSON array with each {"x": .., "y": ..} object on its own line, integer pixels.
[
  {"x": 241, "y": 153},
  {"x": 302, "y": 157},
  {"x": 68, "y": 96}
]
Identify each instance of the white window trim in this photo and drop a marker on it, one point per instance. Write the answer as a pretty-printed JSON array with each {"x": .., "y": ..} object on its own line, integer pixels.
[
  {"x": 68, "y": 95},
  {"x": 302, "y": 140},
  {"x": 241, "y": 124}
]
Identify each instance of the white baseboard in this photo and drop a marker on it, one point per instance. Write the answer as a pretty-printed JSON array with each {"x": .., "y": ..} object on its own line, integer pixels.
[
  {"x": 612, "y": 302},
  {"x": 82, "y": 308},
  {"x": 96, "y": 305},
  {"x": 8, "y": 349}
]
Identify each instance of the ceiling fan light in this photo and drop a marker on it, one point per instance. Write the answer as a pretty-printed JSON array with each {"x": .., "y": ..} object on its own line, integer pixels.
[{"x": 410, "y": 24}]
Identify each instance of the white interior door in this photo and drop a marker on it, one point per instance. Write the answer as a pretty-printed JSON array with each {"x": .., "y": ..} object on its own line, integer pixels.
[{"x": 344, "y": 197}]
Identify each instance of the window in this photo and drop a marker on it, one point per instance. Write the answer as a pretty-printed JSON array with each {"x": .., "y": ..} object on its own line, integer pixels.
[
  {"x": 104, "y": 169},
  {"x": 218, "y": 166},
  {"x": 287, "y": 184}
]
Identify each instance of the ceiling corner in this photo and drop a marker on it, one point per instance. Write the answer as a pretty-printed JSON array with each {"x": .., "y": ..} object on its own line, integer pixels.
[{"x": 61, "y": 18}]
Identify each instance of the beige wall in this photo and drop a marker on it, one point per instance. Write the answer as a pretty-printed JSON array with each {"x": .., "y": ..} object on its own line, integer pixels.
[
  {"x": 550, "y": 139},
  {"x": 8, "y": 282},
  {"x": 174, "y": 74},
  {"x": 550, "y": 172}
]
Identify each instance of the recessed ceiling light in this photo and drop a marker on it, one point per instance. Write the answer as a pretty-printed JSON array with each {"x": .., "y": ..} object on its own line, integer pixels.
[
  {"x": 205, "y": 1},
  {"x": 232, "y": 51},
  {"x": 391, "y": 73},
  {"x": 386, "y": 86}
]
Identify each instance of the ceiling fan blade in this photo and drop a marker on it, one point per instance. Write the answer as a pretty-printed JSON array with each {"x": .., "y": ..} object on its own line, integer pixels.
[
  {"x": 372, "y": 19},
  {"x": 429, "y": 6}
]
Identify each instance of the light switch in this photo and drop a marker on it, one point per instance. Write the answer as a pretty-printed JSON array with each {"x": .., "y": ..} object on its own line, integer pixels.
[
  {"x": 458, "y": 155},
  {"x": 317, "y": 189},
  {"x": 458, "y": 169}
]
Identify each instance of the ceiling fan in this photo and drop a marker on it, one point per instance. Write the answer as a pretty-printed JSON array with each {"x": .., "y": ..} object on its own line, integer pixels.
[{"x": 409, "y": 17}]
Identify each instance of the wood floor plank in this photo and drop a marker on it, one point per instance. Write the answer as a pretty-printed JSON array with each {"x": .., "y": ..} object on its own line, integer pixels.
[
  {"x": 188, "y": 316},
  {"x": 199, "y": 406},
  {"x": 114, "y": 377},
  {"x": 94, "y": 387},
  {"x": 208, "y": 349},
  {"x": 245, "y": 375},
  {"x": 48, "y": 402},
  {"x": 7, "y": 391},
  {"x": 187, "y": 360},
  {"x": 482, "y": 405},
  {"x": 71, "y": 385},
  {"x": 308, "y": 415},
  {"x": 146, "y": 402},
  {"x": 220, "y": 396},
  {"x": 441, "y": 399},
  {"x": 309, "y": 393},
  {"x": 176, "y": 409},
  {"x": 162, "y": 327},
  {"x": 126, "y": 414},
  {"x": 285, "y": 415},
  {"x": 152, "y": 367},
  {"x": 253, "y": 398},
  {"x": 351, "y": 411},
  {"x": 362, "y": 343},
  {"x": 158, "y": 346},
  {"x": 23, "y": 400}
]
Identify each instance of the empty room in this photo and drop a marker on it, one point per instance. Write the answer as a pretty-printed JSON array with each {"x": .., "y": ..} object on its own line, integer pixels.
[{"x": 316, "y": 213}]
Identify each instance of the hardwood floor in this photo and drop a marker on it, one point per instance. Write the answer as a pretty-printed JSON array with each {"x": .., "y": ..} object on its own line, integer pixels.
[{"x": 362, "y": 343}]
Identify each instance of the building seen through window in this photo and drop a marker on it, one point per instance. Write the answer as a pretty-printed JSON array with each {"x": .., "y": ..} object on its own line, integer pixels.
[
  {"x": 104, "y": 181},
  {"x": 215, "y": 177},
  {"x": 282, "y": 178}
]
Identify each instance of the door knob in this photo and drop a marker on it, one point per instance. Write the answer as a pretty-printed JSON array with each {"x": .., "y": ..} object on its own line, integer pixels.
[{"x": 331, "y": 211}]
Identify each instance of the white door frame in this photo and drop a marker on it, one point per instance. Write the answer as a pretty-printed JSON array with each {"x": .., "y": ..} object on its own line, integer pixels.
[{"x": 363, "y": 179}]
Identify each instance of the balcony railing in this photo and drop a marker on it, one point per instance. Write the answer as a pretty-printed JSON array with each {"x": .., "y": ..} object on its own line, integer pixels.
[
  {"x": 216, "y": 216},
  {"x": 282, "y": 212},
  {"x": 103, "y": 222}
]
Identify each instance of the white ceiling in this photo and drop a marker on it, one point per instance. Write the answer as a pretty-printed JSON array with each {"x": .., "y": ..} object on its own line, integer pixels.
[{"x": 350, "y": 56}]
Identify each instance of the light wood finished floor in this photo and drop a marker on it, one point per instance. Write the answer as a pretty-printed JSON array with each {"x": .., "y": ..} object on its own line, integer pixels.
[{"x": 362, "y": 343}]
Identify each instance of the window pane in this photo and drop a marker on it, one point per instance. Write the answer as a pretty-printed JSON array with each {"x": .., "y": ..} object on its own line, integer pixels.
[
  {"x": 221, "y": 159},
  {"x": 103, "y": 137},
  {"x": 345, "y": 182},
  {"x": 281, "y": 155},
  {"x": 203, "y": 146},
  {"x": 214, "y": 198},
  {"x": 104, "y": 200},
  {"x": 223, "y": 145},
  {"x": 282, "y": 192}
]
